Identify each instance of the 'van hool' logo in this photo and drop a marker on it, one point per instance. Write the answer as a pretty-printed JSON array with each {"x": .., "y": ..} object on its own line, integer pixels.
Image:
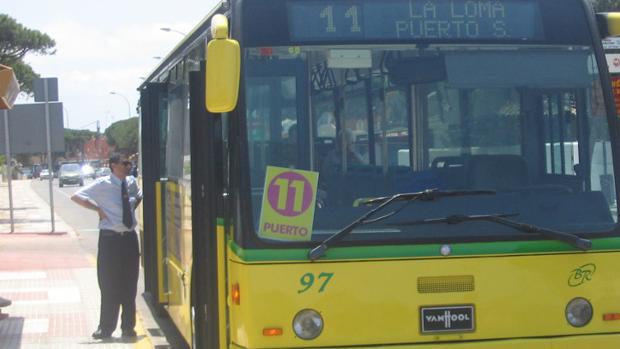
[
  {"x": 582, "y": 274},
  {"x": 447, "y": 319}
]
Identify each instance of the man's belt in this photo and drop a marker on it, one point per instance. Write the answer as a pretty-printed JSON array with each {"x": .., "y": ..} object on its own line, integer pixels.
[{"x": 106, "y": 232}]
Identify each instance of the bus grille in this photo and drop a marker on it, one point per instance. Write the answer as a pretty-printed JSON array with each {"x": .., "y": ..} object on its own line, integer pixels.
[{"x": 443, "y": 284}]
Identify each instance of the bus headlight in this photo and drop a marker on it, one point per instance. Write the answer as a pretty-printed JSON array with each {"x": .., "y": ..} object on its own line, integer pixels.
[
  {"x": 308, "y": 324},
  {"x": 579, "y": 312}
]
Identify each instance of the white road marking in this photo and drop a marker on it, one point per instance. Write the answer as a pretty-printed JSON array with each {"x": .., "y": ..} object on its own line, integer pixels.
[
  {"x": 32, "y": 326},
  {"x": 23, "y": 290},
  {"x": 24, "y": 275},
  {"x": 64, "y": 295},
  {"x": 55, "y": 295},
  {"x": 65, "y": 194}
]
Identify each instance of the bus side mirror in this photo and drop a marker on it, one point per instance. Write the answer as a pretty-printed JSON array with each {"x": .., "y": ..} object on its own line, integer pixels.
[
  {"x": 608, "y": 24},
  {"x": 223, "y": 66},
  {"x": 9, "y": 88}
]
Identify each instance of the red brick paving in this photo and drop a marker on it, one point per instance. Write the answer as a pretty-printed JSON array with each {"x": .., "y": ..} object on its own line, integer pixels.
[
  {"x": 50, "y": 279},
  {"x": 40, "y": 252},
  {"x": 26, "y": 296},
  {"x": 68, "y": 325}
]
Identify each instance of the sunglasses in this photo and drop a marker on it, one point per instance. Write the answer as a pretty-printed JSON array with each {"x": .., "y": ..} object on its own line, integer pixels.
[{"x": 124, "y": 163}]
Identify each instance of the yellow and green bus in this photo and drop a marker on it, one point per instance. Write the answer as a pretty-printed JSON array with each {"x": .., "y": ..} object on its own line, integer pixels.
[{"x": 396, "y": 174}]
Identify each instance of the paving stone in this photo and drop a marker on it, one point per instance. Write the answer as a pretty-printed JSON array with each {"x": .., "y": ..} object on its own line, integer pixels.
[{"x": 50, "y": 279}]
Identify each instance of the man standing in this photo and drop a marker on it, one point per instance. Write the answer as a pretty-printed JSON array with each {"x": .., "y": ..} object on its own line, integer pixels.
[{"x": 114, "y": 198}]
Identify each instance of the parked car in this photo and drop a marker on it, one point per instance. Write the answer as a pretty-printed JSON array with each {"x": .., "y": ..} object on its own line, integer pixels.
[
  {"x": 26, "y": 172},
  {"x": 44, "y": 174},
  {"x": 103, "y": 171},
  {"x": 70, "y": 174},
  {"x": 36, "y": 171}
]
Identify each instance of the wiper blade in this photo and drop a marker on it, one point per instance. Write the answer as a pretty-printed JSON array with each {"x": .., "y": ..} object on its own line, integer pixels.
[
  {"x": 455, "y": 219},
  {"x": 426, "y": 195},
  {"x": 571, "y": 239}
]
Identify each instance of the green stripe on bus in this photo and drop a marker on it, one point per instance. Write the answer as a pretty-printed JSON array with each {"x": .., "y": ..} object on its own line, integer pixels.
[{"x": 431, "y": 250}]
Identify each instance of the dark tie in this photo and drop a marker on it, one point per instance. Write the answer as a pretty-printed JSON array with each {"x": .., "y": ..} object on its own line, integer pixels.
[{"x": 127, "y": 219}]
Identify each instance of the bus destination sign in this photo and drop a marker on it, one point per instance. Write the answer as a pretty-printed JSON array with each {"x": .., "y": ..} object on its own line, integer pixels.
[{"x": 314, "y": 21}]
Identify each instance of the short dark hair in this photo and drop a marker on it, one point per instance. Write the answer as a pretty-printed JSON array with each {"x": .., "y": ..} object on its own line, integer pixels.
[{"x": 115, "y": 158}]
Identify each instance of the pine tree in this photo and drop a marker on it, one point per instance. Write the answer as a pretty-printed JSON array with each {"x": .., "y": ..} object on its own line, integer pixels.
[{"x": 15, "y": 42}]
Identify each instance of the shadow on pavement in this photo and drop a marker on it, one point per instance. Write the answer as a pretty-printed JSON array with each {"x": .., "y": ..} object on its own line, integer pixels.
[
  {"x": 11, "y": 331},
  {"x": 17, "y": 208},
  {"x": 23, "y": 221},
  {"x": 166, "y": 329},
  {"x": 113, "y": 340}
]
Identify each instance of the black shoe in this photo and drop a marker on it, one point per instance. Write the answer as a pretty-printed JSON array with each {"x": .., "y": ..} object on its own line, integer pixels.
[
  {"x": 129, "y": 334},
  {"x": 100, "y": 334}
]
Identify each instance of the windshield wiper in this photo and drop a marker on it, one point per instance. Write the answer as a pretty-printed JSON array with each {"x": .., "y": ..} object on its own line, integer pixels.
[
  {"x": 573, "y": 240},
  {"x": 426, "y": 195}
]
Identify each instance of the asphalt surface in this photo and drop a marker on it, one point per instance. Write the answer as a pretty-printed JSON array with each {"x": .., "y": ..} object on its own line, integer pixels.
[{"x": 83, "y": 221}]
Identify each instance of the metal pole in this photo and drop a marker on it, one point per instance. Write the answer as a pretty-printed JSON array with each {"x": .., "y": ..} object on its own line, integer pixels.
[
  {"x": 8, "y": 166},
  {"x": 126, "y": 100},
  {"x": 49, "y": 152},
  {"x": 128, "y": 105},
  {"x": 67, "y": 114}
]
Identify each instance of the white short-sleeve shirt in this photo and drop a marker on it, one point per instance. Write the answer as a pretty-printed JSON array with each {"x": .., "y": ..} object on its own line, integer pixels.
[{"x": 105, "y": 192}]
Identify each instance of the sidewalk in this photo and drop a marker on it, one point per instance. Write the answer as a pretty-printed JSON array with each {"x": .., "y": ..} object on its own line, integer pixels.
[
  {"x": 30, "y": 213},
  {"x": 51, "y": 281}
]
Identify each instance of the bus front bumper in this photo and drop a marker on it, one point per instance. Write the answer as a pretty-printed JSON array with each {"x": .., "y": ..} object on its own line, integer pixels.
[{"x": 601, "y": 341}]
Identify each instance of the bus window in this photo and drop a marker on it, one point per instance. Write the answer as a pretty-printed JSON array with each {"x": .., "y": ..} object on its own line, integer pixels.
[
  {"x": 391, "y": 126},
  {"x": 272, "y": 123},
  {"x": 476, "y": 121},
  {"x": 177, "y": 118},
  {"x": 445, "y": 129},
  {"x": 559, "y": 128},
  {"x": 494, "y": 121},
  {"x": 326, "y": 125},
  {"x": 375, "y": 133}
]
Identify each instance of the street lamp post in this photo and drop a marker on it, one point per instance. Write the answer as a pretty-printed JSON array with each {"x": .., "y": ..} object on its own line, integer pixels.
[
  {"x": 172, "y": 30},
  {"x": 126, "y": 100},
  {"x": 66, "y": 114}
]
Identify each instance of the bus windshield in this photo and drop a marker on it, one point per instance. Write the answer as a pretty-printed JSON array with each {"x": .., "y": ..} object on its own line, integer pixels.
[{"x": 527, "y": 121}]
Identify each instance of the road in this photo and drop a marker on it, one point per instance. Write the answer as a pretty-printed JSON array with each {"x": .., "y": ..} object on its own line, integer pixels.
[{"x": 83, "y": 221}]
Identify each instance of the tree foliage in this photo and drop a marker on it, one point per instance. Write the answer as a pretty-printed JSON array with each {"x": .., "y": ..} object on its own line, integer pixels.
[
  {"x": 15, "y": 42},
  {"x": 75, "y": 140},
  {"x": 606, "y": 5},
  {"x": 124, "y": 135}
]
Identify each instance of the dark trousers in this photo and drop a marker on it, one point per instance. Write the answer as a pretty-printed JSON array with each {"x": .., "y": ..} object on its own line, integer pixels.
[{"x": 117, "y": 273}]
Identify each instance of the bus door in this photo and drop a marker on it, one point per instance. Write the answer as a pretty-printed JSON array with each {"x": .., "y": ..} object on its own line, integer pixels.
[
  {"x": 152, "y": 148},
  {"x": 279, "y": 130},
  {"x": 571, "y": 151},
  {"x": 277, "y": 109},
  {"x": 175, "y": 221},
  {"x": 208, "y": 279},
  {"x": 559, "y": 154}
]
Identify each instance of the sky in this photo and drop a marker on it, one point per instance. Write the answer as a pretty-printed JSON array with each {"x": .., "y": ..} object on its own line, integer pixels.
[{"x": 103, "y": 47}]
